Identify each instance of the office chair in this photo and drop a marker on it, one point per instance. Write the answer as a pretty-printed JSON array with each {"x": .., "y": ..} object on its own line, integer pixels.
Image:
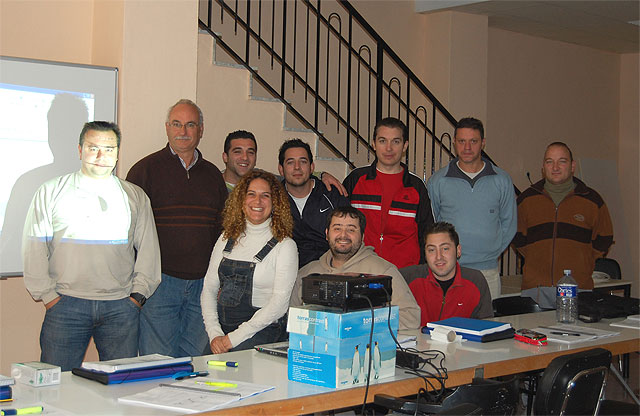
[
  {"x": 608, "y": 266},
  {"x": 518, "y": 305},
  {"x": 481, "y": 397},
  {"x": 573, "y": 384}
]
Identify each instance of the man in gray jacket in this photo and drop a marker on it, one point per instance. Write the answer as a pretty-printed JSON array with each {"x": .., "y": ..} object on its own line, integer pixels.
[
  {"x": 347, "y": 254},
  {"x": 91, "y": 255}
]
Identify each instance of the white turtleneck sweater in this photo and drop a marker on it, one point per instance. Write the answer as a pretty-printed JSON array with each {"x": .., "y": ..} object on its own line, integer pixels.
[{"x": 273, "y": 281}]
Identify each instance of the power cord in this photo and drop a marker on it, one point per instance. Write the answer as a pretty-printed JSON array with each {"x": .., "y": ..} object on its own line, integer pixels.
[{"x": 366, "y": 391}]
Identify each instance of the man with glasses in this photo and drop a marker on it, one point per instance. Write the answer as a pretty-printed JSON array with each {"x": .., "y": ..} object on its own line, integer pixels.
[
  {"x": 187, "y": 195},
  {"x": 91, "y": 255}
]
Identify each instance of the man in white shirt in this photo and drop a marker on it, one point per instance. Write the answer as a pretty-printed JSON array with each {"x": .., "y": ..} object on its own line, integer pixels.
[{"x": 91, "y": 255}]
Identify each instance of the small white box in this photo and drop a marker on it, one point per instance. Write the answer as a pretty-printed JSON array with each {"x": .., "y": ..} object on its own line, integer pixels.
[{"x": 35, "y": 373}]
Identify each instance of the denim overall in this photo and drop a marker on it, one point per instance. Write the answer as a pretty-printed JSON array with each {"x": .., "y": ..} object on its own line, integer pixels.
[{"x": 234, "y": 298}]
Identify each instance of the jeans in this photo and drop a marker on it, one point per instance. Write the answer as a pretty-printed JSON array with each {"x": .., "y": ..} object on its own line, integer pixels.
[
  {"x": 234, "y": 299},
  {"x": 69, "y": 325},
  {"x": 171, "y": 320}
]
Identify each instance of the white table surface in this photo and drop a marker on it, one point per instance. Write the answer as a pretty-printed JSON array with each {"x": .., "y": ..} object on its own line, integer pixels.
[{"x": 80, "y": 396}]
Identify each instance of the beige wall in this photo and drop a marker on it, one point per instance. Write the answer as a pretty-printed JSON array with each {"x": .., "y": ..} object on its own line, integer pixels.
[
  {"x": 542, "y": 90},
  {"x": 159, "y": 66},
  {"x": 50, "y": 30},
  {"x": 628, "y": 158},
  {"x": 402, "y": 28}
]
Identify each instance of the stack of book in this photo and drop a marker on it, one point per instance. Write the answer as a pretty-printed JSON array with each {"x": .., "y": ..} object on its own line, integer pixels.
[
  {"x": 123, "y": 370},
  {"x": 478, "y": 330},
  {"x": 5, "y": 388}
]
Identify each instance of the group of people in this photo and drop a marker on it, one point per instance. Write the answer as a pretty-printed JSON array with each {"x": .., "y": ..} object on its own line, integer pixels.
[{"x": 182, "y": 259}]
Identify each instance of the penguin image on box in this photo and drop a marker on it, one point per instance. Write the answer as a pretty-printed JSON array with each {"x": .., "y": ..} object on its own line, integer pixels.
[
  {"x": 377, "y": 361},
  {"x": 355, "y": 366},
  {"x": 365, "y": 364}
]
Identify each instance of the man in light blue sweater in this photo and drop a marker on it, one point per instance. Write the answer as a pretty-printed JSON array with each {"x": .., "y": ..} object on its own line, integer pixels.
[{"x": 476, "y": 197}]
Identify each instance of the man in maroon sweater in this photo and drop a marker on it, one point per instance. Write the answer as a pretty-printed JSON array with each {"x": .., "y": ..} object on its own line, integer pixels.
[{"x": 187, "y": 196}]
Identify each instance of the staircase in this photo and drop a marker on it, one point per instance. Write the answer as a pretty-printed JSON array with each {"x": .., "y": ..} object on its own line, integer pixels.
[{"x": 322, "y": 70}]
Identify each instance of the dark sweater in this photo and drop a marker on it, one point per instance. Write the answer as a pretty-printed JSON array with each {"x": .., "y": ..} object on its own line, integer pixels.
[{"x": 187, "y": 206}]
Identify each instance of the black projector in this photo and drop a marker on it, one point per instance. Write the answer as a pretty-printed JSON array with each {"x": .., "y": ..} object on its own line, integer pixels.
[{"x": 344, "y": 291}]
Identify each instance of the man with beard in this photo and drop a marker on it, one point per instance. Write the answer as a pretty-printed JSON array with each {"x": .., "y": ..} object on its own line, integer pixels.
[{"x": 347, "y": 254}]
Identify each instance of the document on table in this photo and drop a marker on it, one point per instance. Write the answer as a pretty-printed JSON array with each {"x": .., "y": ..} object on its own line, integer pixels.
[
  {"x": 632, "y": 321},
  {"x": 195, "y": 395},
  {"x": 572, "y": 334}
]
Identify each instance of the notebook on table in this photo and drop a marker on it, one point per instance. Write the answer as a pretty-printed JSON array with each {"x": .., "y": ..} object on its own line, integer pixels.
[{"x": 277, "y": 348}]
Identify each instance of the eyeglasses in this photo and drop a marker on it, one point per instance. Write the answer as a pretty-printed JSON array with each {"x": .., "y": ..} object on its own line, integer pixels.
[{"x": 189, "y": 125}]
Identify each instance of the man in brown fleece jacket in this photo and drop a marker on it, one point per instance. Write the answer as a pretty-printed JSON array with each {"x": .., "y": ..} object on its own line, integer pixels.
[{"x": 562, "y": 224}]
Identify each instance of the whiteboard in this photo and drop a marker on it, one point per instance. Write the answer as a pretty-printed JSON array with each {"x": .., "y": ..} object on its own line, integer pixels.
[{"x": 43, "y": 106}]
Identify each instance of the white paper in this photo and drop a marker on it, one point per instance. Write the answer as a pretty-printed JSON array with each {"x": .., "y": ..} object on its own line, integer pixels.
[
  {"x": 577, "y": 333},
  {"x": 192, "y": 396},
  {"x": 632, "y": 321}
]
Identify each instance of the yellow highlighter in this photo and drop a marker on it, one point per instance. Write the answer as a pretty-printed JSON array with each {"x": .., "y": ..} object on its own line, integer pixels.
[
  {"x": 217, "y": 384},
  {"x": 23, "y": 411}
]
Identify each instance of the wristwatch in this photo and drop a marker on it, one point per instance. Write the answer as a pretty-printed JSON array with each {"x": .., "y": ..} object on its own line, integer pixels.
[{"x": 138, "y": 297}]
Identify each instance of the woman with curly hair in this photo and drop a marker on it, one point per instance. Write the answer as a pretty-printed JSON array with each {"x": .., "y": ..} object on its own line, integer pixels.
[{"x": 252, "y": 269}]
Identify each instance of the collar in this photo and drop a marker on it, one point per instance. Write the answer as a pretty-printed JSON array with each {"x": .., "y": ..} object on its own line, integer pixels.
[
  {"x": 457, "y": 278},
  {"x": 327, "y": 258},
  {"x": 580, "y": 189},
  {"x": 372, "y": 172},
  {"x": 455, "y": 172},
  {"x": 193, "y": 162}
]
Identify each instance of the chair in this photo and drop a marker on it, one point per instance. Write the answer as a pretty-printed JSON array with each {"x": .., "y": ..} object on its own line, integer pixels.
[
  {"x": 515, "y": 305},
  {"x": 608, "y": 266},
  {"x": 518, "y": 305},
  {"x": 573, "y": 384},
  {"x": 486, "y": 397}
]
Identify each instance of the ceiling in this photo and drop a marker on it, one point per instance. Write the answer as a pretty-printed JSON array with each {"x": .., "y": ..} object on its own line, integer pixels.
[{"x": 610, "y": 25}]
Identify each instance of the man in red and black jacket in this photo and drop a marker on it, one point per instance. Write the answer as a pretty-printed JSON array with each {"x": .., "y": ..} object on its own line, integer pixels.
[
  {"x": 442, "y": 288},
  {"x": 394, "y": 201}
]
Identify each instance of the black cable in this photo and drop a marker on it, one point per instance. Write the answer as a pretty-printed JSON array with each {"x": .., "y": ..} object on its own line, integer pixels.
[
  {"x": 440, "y": 371},
  {"x": 373, "y": 320}
]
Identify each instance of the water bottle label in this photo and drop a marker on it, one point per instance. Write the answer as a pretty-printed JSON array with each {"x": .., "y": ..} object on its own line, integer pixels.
[{"x": 567, "y": 291}]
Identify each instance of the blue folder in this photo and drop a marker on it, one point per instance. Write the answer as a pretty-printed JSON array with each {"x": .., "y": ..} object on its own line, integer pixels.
[{"x": 127, "y": 376}]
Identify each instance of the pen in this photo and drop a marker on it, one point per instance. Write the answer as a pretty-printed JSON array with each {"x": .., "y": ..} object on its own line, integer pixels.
[
  {"x": 23, "y": 411},
  {"x": 217, "y": 383},
  {"x": 565, "y": 334},
  {"x": 569, "y": 331},
  {"x": 223, "y": 363},
  {"x": 182, "y": 375},
  {"x": 226, "y": 393}
]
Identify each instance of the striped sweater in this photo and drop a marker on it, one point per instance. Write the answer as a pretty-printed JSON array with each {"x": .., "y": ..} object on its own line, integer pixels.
[{"x": 569, "y": 236}]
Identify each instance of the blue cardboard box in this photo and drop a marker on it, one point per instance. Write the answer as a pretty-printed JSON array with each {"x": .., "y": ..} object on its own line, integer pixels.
[{"x": 331, "y": 349}]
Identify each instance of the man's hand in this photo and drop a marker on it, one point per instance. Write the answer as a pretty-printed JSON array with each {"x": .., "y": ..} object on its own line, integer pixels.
[
  {"x": 330, "y": 181},
  {"x": 50, "y": 304},
  {"x": 220, "y": 345}
]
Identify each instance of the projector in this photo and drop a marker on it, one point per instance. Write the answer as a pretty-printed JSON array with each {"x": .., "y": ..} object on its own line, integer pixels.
[{"x": 346, "y": 291}]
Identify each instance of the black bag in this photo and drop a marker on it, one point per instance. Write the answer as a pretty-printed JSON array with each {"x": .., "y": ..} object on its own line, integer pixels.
[{"x": 598, "y": 305}]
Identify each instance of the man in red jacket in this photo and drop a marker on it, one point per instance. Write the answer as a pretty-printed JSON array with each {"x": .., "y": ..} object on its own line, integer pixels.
[
  {"x": 394, "y": 200},
  {"x": 448, "y": 289}
]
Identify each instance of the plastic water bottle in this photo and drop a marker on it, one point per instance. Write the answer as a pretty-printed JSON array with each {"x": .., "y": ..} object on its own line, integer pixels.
[{"x": 567, "y": 299}]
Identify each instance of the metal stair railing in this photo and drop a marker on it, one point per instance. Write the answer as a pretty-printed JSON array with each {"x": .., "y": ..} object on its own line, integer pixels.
[{"x": 336, "y": 76}]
